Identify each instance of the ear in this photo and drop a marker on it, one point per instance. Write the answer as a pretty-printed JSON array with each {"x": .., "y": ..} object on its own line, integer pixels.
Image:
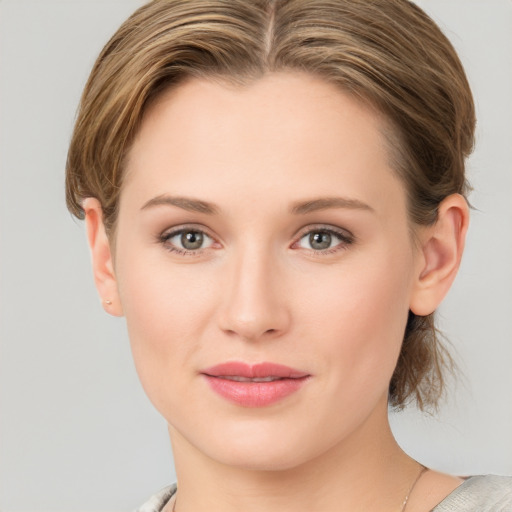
[
  {"x": 441, "y": 248},
  {"x": 102, "y": 261}
]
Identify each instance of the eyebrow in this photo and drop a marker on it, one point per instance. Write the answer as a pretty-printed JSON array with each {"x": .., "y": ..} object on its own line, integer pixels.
[
  {"x": 298, "y": 208},
  {"x": 324, "y": 203},
  {"x": 186, "y": 203}
]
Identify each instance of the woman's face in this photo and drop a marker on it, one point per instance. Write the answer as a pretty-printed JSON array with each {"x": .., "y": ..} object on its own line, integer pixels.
[{"x": 263, "y": 224}]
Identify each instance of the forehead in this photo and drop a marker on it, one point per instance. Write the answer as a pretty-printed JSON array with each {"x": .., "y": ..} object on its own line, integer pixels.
[{"x": 286, "y": 133}]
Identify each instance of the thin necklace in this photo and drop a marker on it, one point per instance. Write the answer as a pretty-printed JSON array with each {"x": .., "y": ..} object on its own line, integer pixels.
[{"x": 404, "y": 504}]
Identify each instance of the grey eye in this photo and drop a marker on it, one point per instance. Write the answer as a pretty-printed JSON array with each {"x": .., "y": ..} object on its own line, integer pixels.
[
  {"x": 191, "y": 240},
  {"x": 320, "y": 240},
  {"x": 187, "y": 240}
]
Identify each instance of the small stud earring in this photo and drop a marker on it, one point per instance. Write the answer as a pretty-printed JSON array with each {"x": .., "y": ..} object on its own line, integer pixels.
[{"x": 108, "y": 302}]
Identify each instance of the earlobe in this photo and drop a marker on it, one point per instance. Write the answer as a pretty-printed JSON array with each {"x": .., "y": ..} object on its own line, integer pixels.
[
  {"x": 101, "y": 255},
  {"x": 440, "y": 255}
]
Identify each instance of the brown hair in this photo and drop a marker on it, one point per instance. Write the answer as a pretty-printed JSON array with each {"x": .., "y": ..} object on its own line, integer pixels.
[{"x": 389, "y": 53}]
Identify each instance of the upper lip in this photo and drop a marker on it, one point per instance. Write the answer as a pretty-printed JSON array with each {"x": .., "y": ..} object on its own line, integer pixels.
[{"x": 251, "y": 371}]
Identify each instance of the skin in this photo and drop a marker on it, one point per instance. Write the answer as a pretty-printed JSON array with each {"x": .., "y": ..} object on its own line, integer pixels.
[{"x": 257, "y": 290}]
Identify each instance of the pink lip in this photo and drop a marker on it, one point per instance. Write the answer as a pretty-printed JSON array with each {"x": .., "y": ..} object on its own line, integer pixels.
[{"x": 254, "y": 394}]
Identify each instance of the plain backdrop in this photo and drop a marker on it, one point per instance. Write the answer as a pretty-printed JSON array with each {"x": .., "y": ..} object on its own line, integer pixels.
[{"x": 77, "y": 432}]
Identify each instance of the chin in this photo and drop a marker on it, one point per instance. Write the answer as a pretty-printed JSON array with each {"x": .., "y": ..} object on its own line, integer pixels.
[
  {"x": 260, "y": 458},
  {"x": 262, "y": 446}
]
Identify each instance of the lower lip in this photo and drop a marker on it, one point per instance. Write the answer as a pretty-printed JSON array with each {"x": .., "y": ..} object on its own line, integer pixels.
[{"x": 254, "y": 394}]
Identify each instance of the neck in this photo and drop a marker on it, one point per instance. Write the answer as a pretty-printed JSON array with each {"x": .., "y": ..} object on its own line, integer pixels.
[{"x": 367, "y": 471}]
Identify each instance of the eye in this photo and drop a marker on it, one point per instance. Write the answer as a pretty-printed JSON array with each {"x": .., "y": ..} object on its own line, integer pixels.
[
  {"x": 320, "y": 240},
  {"x": 186, "y": 240}
]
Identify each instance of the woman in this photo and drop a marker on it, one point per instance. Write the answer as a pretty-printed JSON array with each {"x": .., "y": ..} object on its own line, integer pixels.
[{"x": 274, "y": 195}]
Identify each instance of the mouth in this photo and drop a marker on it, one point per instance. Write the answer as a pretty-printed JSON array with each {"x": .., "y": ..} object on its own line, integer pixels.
[
  {"x": 256, "y": 385},
  {"x": 237, "y": 378}
]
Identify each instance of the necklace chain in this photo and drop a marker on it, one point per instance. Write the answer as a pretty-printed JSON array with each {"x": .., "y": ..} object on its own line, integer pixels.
[{"x": 404, "y": 504}]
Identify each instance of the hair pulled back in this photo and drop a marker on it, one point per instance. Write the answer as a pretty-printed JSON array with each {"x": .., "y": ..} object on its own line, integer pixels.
[{"x": 388, "y": 53}]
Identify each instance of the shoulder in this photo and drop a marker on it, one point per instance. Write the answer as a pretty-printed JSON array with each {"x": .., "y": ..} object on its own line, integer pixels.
[
  {"x": 157, "y": 502},
  {"x": 488, "y": 493}
]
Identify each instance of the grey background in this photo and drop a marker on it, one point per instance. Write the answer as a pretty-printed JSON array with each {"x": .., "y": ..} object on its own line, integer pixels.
[{"x": 77, "y": 433}]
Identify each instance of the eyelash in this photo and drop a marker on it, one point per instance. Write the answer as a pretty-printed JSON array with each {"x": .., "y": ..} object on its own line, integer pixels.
[
  {"x": 166, "y": 236},
  {"x": 345, "y": 239}
]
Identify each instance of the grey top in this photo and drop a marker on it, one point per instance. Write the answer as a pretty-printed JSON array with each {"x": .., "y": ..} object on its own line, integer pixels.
[
  {"x": 476, "y": 494},
  {"x": 489, "y": 493}
]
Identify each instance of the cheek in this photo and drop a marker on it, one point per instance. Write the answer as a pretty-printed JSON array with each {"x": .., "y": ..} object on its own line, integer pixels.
[
  {"x": 165, "y": 312},
  {"x": 363, "y": 313}
]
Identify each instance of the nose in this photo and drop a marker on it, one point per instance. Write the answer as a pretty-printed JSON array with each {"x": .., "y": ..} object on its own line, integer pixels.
[{"x": 254, "y": 304}]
